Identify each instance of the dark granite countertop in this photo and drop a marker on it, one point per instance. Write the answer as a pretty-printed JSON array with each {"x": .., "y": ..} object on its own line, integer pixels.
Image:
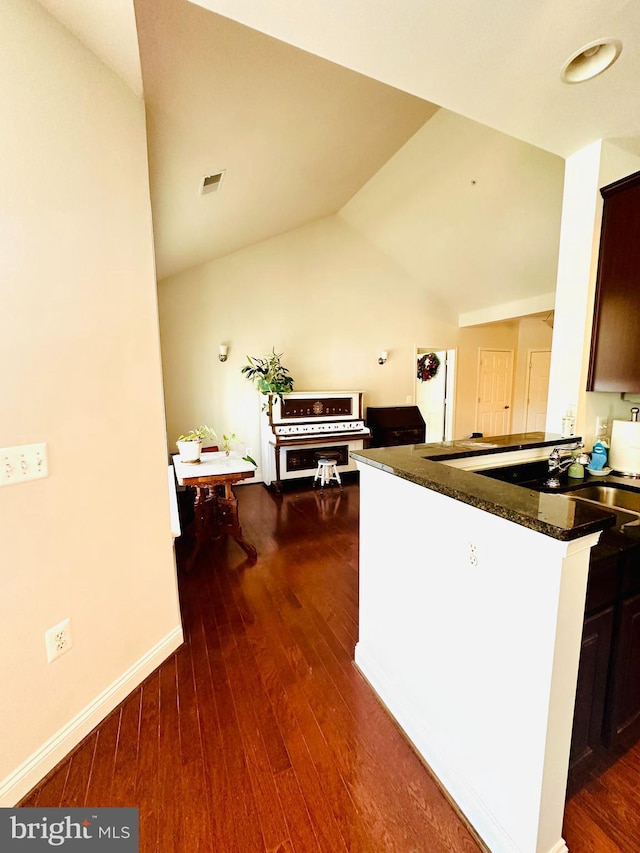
[{"x": 555, "y": 515}]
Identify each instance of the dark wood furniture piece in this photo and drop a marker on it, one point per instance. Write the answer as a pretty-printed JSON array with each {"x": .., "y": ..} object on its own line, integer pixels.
[
  {"x": 394, "y": 425},
  {"x": 215, "y": 506},
  {"x": 615, "y": 341}
]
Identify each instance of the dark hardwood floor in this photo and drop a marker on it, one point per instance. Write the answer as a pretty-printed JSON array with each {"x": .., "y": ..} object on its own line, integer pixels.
[
  {"x": 260, "y": 735},
  {"x": 602, "y": 813}
]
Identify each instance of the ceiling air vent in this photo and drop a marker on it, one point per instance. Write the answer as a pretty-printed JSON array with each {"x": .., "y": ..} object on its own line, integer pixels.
[{"x": 211, "y": 183}]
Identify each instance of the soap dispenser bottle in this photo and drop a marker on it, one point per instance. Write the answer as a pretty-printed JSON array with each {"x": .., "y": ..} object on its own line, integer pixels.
[
  {"x": 580, "y": 459},
  {"x": 600, "y": 451}
]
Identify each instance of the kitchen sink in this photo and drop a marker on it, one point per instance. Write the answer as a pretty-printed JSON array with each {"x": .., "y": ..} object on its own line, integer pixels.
[
  {"x": 534, "y": 475},
  {"x": 612, "y": 496},
  {"x": 522, "y": 474}
]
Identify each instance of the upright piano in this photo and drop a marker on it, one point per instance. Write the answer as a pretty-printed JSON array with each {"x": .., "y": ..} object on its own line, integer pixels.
[{"x": 306, "y": 424}]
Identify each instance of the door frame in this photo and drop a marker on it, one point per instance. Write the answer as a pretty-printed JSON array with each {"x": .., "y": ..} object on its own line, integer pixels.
[
  {"x": 527, "y": 384},
  {"x": 450, "y": 368}
]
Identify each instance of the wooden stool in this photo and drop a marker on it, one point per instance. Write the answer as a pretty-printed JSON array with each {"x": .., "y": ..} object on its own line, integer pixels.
[{"x": 326, "y": 471}]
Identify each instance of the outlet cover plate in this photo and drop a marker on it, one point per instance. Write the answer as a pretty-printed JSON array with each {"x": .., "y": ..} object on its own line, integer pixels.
[{"x": 58, "y": 639}]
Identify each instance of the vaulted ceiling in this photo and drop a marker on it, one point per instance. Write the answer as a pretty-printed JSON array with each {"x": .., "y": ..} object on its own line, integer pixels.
[
  {"x": 300, "y": 102},
  {"x": 497, "y": 62},
  {"x": 296, "y": 135}
]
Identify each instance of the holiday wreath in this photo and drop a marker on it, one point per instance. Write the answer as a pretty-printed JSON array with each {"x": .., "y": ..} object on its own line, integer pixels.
[{"x": 428, "y": 365}]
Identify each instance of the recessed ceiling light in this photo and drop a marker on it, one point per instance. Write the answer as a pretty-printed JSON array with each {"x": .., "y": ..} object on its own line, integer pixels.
[{"x": 590, "y": 60}]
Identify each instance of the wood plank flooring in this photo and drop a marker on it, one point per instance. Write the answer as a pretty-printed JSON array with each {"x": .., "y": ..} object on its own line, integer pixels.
[
  {"x": 260, "y": 735},
  {"x": 602, "y": 812}
]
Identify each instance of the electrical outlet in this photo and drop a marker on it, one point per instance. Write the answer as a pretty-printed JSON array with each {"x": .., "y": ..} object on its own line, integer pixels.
[
  {"x": 602, "y": 426},
  {"x": 21, "y": 463},
  {"x": 58, "y": 639}
]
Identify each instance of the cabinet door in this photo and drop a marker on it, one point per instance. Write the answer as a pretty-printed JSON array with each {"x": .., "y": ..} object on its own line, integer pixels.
[
  {"x": 623, "y": 716},
  {"x": 591, "y": 688},
  {"x": 604, "y": 570},
  {"x": 615, "y": 343}
]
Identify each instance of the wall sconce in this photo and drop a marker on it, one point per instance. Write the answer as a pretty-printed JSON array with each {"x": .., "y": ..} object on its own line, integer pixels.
[
  {"x": 223, "y": 349},
  {"x": 382, "y": 358}
]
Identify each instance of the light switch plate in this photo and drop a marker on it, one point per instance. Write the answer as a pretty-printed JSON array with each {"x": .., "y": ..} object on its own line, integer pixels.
[{"x": 22, "y": 463}]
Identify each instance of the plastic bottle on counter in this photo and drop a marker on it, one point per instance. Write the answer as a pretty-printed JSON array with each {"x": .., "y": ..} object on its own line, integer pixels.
[{"x": 568, "y": 427}]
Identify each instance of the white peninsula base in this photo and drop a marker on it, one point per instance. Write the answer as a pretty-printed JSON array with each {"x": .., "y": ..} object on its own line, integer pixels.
[{"x": 470, "y": 629}]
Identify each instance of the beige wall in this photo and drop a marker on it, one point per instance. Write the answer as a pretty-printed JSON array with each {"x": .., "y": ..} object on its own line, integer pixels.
[
  {"x": 501, "y": 336},
  {"x": 326, "y": 298},
  {"x": 533, "y": 334},
  {"x": 462, "y": 207},
  {"x": 80, "y": 371},
  {"x": 379, "y": 275},
  {"x": 521, "y": 336}
]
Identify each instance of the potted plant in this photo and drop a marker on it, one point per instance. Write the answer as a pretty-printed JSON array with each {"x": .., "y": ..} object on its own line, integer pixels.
[
  {"x": 227, "y": 441},
  {"x": 269, "y": 375},
  {"x": 190, "y": 443}
]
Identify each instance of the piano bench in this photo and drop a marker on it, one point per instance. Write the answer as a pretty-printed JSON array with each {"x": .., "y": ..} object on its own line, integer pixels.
[{"x": 327, "y": 471}]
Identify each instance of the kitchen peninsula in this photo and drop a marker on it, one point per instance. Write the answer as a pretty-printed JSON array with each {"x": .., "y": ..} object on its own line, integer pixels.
[{"x": 472, "y": 595}]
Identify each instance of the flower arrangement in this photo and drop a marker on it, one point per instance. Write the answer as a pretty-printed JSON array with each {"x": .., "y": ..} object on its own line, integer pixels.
[{"x": 428, "y": 366}]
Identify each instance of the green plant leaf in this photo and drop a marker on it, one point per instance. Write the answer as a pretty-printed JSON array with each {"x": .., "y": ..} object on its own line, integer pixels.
[{"x": 198, "y": 434}]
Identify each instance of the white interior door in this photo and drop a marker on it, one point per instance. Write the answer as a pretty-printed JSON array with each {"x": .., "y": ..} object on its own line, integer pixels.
[
  {"x": 434, "y": 397},
  {"x": 537, "y": 390},
  {"x": 495, "y": 380}
]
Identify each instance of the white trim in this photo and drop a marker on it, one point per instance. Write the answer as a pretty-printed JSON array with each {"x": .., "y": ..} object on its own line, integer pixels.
[
  {"x": 527, "y": 388},
  {"x": 173, "y": 503},
  {"x": 560, "y": 847},
  {"x": 509, "y": 310},
  {"x": 451, "y": 371},
  {"x": 450, "y": 393},
  {"x": 30, "y": 772},
  {"x": 498, "y": 460}
]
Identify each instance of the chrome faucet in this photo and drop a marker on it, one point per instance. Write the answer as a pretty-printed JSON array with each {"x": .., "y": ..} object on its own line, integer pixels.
[{"x": 558, "y": 464}]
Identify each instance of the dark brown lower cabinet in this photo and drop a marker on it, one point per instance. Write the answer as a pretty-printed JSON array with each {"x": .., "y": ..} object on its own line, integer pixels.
[
  {"x": 591, "y": 690},
  {"x": 623, "y": 716},
  {"x": 607, "y": 708}
]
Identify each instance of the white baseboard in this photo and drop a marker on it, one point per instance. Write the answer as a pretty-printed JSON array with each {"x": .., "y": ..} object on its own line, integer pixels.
[
  {"x": 30, "y": 772},
  {"x": 561, "y": 847},
  {"x": 391, "y": 693}
]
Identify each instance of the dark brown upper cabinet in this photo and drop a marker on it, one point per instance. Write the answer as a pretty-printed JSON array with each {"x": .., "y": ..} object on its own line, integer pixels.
[{"x": 614, "y": 364}]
